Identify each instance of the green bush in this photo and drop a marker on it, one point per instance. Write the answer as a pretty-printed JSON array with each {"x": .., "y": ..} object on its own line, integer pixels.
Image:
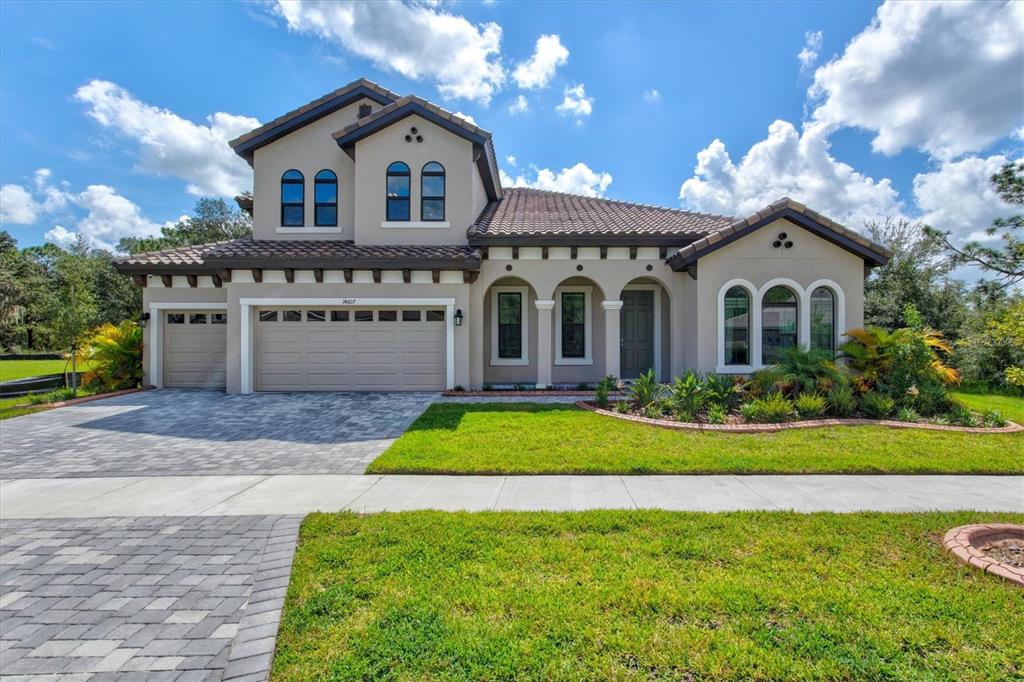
[
  {"x": 646, "y": 389},
  {"x": 810, "y": 405},
  {"x": 655, "y": 409},
  {"x": 993, "y": 418},
  {"x": 723, "y": 391},
  {"x": 113, "y": 354},
  {"x": 604, "y": 387},
  {"x": 622, "y": 407},
  {"x": 54, "y": 396},
  {"x": 687, "y": 396},
  {"x": 961, "y": 416},
  {"x": 908, "y": 414},
  {"x": 841, "y": 402},
  {"x": 877, "y": 405},
  {"x": 771, "y": 409},
  {"x": 717, "y": 414}
]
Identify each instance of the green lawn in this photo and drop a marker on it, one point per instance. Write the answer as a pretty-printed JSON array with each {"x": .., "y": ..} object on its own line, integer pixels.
[
  {"x": 644, "y": 596},
  {"x": 518, "y": 438},
  {"x": 20, "y": 369},
  {"x": 1010, "y": 407}
]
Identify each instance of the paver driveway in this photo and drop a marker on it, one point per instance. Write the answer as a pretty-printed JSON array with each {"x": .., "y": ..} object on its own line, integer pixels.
[{"x": 186, "y": 432}]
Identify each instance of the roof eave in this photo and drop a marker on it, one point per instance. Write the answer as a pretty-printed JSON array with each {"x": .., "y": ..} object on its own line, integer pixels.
[
  {"x": 468, "y": 263},
  {"x": 570, "y": 239}
]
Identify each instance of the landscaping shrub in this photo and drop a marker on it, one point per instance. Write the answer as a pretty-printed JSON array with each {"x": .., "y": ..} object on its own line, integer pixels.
[
  {"x": 810, "y": 405},
  {"x": 770, "y": 409},
  {"x": 724, "y": 391},
  {"x": 803, "y": 370},
  {"x": 993, "y": 418},
  {"x": 604, "y": 387},
  {"x": 655, "y": 409},
  {"x": 113, "y": 354},
  {"x": 687, "y": 396},
  {"x": 54, "y": 396},
  {"x": 717, "y": 414},
  {"x": 877, "y": 406},
  {"x": 841, "y": 401},
  {"x": 646, "y": 389},
  {"x": 622, "y": 407},
  {"x": 907, "y": 414}
]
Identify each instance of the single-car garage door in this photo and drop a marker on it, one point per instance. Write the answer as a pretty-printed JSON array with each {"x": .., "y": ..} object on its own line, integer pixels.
[
  {"x": 318, "y": 349},
  {"x": 195, "y": 348}
]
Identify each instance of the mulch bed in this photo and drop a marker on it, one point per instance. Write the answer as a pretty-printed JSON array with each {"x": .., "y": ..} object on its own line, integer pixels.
[
  {"x": 746, "y": 427},
  {"x": 1009, "y": 552},
  {"x": 996, "y": 548}
]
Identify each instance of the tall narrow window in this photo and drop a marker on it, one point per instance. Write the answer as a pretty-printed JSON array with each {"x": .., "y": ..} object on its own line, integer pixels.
[
  {"x": 778, "y": 323},
  {"x": 510, "y": 325},
  {"x": 737, "y": 326},
  {"x": 398, "y": 192},
  {"x": 293, "y": 208},
  {"x": 823, "y": 319},
  {"x": 325, "y": 198},
  {"x": 574, "y": 333},
  {"x": 432, "y": 192}
]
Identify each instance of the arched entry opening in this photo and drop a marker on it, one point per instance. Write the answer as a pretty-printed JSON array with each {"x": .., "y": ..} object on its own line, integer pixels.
[
  {"x": 510, "y": 332},
  {"x": 644, "y": 329},
  {"x": 577, "y": 332}
]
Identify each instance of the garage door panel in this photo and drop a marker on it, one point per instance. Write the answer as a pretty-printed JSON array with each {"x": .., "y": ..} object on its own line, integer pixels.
[{"x": 195, "y": 352}]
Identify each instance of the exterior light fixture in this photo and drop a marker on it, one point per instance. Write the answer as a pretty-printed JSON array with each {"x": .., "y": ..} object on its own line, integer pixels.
[
  {"x": 458, "y": 317},
  {"x": 143, "y": 319}
]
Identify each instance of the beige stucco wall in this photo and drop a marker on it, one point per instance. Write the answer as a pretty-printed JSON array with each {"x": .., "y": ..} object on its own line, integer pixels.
[
  {"x": 754, "y": 260},
  {"x": 309, "y": 149},
  {"x": 378, "y": 151}
]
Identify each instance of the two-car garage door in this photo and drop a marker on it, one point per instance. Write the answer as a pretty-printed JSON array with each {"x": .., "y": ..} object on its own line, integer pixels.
[{"x": 323, "y": 349}]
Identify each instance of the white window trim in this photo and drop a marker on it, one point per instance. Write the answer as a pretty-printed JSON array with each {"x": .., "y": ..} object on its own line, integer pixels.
[
  {"x": 839, "y": 314},
  {"x": 308, "y": 230},
  {"x": 156, "y": 333},
  {"x": 588, "y": 326},
  {"x": 524, "y": 359},
  {"x": 656, "y": 288},
  {"x": 417, "y": 224},
  {"x": 247, "y": 307},
  {"x": 752, "y": 298}
]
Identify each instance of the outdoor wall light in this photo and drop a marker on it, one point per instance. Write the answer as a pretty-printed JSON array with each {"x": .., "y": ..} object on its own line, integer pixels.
[
  {"x": 143, "y": 319},
  {"x": 458, "y": 317}
]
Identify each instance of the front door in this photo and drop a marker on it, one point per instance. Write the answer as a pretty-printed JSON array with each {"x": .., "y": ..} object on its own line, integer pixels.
[{"x": 637, "y": 331}]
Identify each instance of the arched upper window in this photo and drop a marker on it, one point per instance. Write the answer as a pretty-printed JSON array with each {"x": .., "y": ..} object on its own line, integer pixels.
[
  {"x": 293, "y": 208},
  {"x": 779, "y": 317},
  {"x": 325, "y": 199},
  {"x": 823, "y": 319},
  {"x": 398, "y": 192},
  {"x": 737, "y": 326},
  {"x": 432, "y": 192}
]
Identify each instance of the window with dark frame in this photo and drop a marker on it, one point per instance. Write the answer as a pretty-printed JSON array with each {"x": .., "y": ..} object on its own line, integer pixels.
[
  {"x": 292, "y": 316},
  {"x": 387, "y": 315},
  {"x": 737, "y": 326},
  {"x": 268, "y": 316},
  {"x": 778, "y": 323},
  {"x": 325, "y": 199},
  {"x": 293, "y": 207},
  {"x": 364, "y": 316},
  {"x": 398, "y": 183},
  {"x": 435, "y": 316},
  {"x": 432, "y": 192},
  {"x": 411, "y": 316},
  {"x": 219, "y": 318},
  {"x": 510, "y": 325},
  {"x": 197, "y": 318},
  {"x": 339, "y": 316},
  {"x": 823, "y": 320},
  {"x": 316, "y": 316},
  {"x": 175, "y": 318},
  {"x": 574, "y": 333}
]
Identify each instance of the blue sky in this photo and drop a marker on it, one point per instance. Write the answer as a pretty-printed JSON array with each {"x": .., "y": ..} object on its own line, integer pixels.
[{"x": 127, "y": 107}]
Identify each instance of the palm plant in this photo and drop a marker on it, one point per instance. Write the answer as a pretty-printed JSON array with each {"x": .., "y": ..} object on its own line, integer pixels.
[
  {"x": 646, "y": 389},
  {"x": 113, "y": 354},
  {"x": 688, "y": 396}
]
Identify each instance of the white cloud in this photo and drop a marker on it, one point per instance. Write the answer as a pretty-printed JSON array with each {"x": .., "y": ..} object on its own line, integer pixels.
[
  {"x": 791, "y": 164},
  {"x": 961, "y": 198},
  {"x": 652, "y": 95},
  {"x": 578, "y": 179},
  {"x": 808, "y": 56},
  {"x": 17, "y": 206},
  {"x": 519, "y": 106},
  {"x": 466, "y": 117},
  {"x": 538, "y": 70},
  {"x": 61, "y": 236},
  {"x": 172, "y": 145},
  {"x": 511, "y": 160},
  {"x": 945, "y": 77},
  {"x": 576, "y": 102},
  {"x": 419, "y": 42}
]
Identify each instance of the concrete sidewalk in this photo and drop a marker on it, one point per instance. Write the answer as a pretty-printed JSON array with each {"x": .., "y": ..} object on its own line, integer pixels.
[{"x": 244, "y": 495}]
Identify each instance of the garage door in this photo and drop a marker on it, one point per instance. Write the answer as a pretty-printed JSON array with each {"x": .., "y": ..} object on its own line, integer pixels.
[
  {"x": 195, "y": 348},
  {"x": 321, "y": 349}
]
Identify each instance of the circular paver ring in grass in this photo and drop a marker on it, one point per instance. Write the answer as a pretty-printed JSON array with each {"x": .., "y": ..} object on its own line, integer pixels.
[{"x": 982, "y": 545}]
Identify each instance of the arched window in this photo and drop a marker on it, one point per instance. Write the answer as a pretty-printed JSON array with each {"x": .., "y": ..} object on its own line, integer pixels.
[
  {"x": 325, "y": 199},
  {"x": 778, "y": 323},
  {"x": 432, "y": 192},
  {"x": 293, "y": 208},
  {"x": 823, "y": 319},
  {"x": 737, "y": 326},
  {"x": 398, "y": 192}
]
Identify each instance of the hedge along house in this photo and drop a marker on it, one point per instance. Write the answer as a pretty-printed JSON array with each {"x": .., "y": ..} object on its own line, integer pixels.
[{"x": 387, "y": 256}]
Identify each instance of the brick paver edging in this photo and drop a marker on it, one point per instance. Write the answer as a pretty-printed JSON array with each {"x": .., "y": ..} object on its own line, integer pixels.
[
  {"x": 963, "y": 542},
  {"x": 1011, "y": 427},
  {"x": 523, "y": 394},
  {"x": 252, "y": 651}
]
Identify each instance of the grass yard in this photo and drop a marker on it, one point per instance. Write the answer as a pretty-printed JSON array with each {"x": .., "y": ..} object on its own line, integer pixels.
[
  {"x": 644, "y": 596},
  {"x": 1012, "y": 408},
  {"x": 21, "y": 369},
  {"x": 519, "y": 438}
]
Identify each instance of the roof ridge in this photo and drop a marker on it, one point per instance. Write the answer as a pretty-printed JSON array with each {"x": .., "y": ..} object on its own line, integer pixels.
[
  {"x": 403, "y": 101},
  {"x": 618, "y": 201}
]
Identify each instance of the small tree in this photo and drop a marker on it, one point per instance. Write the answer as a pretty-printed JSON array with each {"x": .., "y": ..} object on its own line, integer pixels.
[
  {"x": 73, "y": 309},
  {"x": 212, "y": 220}
]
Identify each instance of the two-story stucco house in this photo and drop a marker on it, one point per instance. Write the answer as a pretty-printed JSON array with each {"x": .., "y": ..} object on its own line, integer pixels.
[{"x": 387, "y": 256}]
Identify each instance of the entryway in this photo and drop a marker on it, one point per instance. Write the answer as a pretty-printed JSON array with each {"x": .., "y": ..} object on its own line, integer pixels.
[{"x": 637, "y": 332}]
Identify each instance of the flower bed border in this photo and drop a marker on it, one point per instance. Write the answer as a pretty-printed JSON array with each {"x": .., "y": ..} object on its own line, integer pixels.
[
  {"x": 1011, "y": 427},
  {"x": 961, "y": 542},
  {"x": 525, "y": 394},
  {"x": 76, "y": 401}
]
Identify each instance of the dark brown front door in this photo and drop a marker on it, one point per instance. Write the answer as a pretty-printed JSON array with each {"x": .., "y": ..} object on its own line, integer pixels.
[{"x": 637, "y": 331}]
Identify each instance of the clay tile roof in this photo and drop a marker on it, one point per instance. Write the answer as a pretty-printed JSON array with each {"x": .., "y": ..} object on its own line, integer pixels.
[
  {"x": 533, "y": 212},
  {"x": 181, "y": 256},
  {"x": 691, "y": 252},
  {"x": 412, "y": 99},
  {"x": 362, "y": 82}
]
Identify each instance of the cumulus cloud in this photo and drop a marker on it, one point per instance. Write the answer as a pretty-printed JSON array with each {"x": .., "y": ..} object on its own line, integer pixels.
[
  {"x": 808, "y": 56},
  {"x": 652, "y": 95},
  {"x": 577, "y": 179},
  {"x": 172, "y": 145},
  {"x": 17, "y": 206},
  {"x": 575, "y": 102},
  {"x": 786, "y": 163},
  {"x": 511, "y": 160},
  {"x": 945, "y": 77},
  {"x": 61, "y": 236},
  {"x": 959, "y": 196},
  {"x": 519, "y": 106},
  {"x": 466, "y": 117},
  {"x": 537, "y": 71},
  {"x": 417, "y": 41}
]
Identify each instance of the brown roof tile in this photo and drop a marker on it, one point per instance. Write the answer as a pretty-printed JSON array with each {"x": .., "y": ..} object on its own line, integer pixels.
[
  {"x": 180, "y": 256},
  {"x": 411, "y": 99}
]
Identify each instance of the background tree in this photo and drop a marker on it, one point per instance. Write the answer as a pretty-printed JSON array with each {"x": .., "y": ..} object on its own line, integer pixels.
[
  {"x": 73, "y": 310},
  {"x": 212, "y": 220}
]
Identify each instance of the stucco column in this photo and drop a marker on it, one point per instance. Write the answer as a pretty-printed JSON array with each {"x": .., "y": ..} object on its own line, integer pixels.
[
  {"x": 544, "y": 342},
  {"x": 612, "y": 338},
  {"x": 476, "y": 336}
]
